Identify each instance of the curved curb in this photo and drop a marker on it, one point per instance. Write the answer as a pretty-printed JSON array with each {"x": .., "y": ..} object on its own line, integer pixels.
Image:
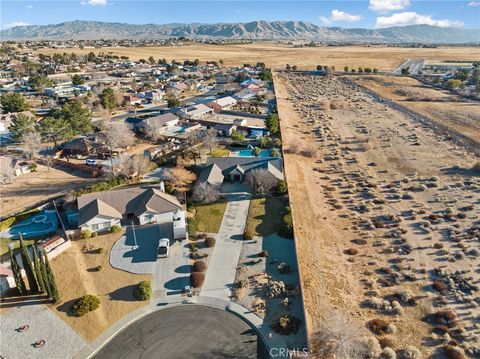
[{"x": 249, "y": 318}]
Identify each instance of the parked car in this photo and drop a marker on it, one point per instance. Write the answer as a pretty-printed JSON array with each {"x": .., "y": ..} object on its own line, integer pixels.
[
  {"x": 91, "y": 161},
  {"x": 163, "y": 248}
]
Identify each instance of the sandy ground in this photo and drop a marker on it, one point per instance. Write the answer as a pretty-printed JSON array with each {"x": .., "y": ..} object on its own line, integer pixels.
[
  {"x": 351, "y": 163},
  {"x": 439, "y": 105},
  {"x": 383, "y": 58},
  {"x": 32, "y": 187},
  {"x": 76, "y": 275}
]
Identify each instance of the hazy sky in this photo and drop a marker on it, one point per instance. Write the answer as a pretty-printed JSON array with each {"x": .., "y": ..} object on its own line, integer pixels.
[{"x": 370, "y": 14}]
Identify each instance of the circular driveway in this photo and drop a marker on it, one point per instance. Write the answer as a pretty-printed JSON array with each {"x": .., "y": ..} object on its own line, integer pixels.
[{"x": 186, "y": 332}]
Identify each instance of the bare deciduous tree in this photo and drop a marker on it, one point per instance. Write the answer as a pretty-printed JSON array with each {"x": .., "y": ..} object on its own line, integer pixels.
[
  {"x": 181, "y": 178},
  {"x": 117, "y": 135},
  {"x": 209, "y": 137},
  {"x": 260, "y": 181},
  {"x": 206, "y": 194},
  {"x": 32, "y": 141},
  {"x": 154, "y": 131},
  {"x": 129, "y": 166}
]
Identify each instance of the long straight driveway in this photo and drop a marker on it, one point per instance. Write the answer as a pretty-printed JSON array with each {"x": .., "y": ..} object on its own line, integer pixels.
[{"x": 223, "y": 263}]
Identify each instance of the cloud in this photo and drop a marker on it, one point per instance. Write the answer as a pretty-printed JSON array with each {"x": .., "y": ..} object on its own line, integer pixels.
[
  {"x": 16, "y": 23},
  {"x": 338, "y": 15},
  {"x": 95, "y": 2},
  {"x": 29, "y": 6},
  {"x": 388, "y": 5},
  {"x": 474, "y": 3},
  {"x": 412, "y": 18}
]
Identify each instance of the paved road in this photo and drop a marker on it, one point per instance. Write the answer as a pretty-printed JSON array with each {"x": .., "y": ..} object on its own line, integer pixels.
[
  {"x": 414, "y": 66},
  {"x": 183, "y": 332},
  {"x": 223, "y": 263}
]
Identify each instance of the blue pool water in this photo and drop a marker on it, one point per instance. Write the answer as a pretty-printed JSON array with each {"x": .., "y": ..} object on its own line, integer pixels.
[
  {"x": 38, "y": 225},
  {"x": 249, "y": 153}
]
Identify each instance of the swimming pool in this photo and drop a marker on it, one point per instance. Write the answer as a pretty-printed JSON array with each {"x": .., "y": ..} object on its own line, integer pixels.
[
  {"x": 249, "y": 153},
  {"x": 38, "y": 225}
]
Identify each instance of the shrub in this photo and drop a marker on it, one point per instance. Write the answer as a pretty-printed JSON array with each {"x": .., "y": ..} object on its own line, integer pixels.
[
  {"x": 143, "y": 290},
  {"x": 248, "y": 235},
  {"x": 411, "y": 353},
  {"x": 199, "y": 266},
  {"x": 388, "y": 353},
  {"x": 446, "y": 316},
  {"x": 197, "y": 279},
  {"x": 282, "y": 187},
  {"x": 201, "y": 236},
  {"x": 439, "y": 286},
  {"x": 284, "y": 268},
  {"x": 263, "y": 254},
  {"x": 386, "y": 342},
  {"x": 286, "y": 229},
  {"x": 351, "y": 251},
  {"x": 194, "y": 255},
  {"x": 99, "y": 268},
  {"x": 286, "y": 325},
  {"x": 379, "y": 326},
  {"x": 86, "y": 233},
  {"x": 453, "y": 352},
  {"x": 210, "y": 242},
  {"x": 94, "y": 234},
  {"x": 85, "y": 304},
  {"x": 100, "y": 250},
  {"x": 115, "y": 229}
]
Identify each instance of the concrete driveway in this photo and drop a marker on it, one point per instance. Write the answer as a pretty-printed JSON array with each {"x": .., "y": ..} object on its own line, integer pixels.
[{"x": 189, "y": 331}]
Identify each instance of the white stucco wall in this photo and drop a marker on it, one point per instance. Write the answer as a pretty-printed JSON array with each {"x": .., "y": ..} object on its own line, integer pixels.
[{"x": 98, "y": 220}]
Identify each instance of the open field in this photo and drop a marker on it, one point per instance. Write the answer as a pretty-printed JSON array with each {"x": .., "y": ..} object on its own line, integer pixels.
[
  {"x": 385, "y": 214},
  {"x": 439, "y": 106},
  {"x": 76, "y": 275},
  {"x": 383, "y": 58}
]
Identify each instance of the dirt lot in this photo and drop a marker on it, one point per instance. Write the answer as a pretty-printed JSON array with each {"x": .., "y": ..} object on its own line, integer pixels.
[
  {"x": 383, "y": 58},
  {"x": 439, "y": 106},
  {"x": 76, "y": 275},
  {"x": 382, "y": 208},
  {"x": 36, "y": 186}
]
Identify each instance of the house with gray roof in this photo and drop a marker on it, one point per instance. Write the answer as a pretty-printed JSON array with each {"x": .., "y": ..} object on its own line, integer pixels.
[
  {"x": 140, "y": 204},
  {"x": 234, "y": 169},
  {"x": 160, "y": 122}
]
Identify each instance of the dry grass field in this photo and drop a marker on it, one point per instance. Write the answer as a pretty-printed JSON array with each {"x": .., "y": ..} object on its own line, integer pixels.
[
  {"x": 386, "y": 217},
  {"x": 76, "y": 275},
  {"x": 277, "y": 55}
]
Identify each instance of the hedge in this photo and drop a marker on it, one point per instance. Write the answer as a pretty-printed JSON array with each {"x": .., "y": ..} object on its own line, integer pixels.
[
  {"x": 197, "y": 279},
  {"x": 199, "y": 266}
]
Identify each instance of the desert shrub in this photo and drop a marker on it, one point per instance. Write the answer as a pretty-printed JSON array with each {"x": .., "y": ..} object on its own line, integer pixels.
[
  {"x": 85, "y": 304},
  {"x": 194, "y": 255},
  {"x": 199, "y": 266},
  {"x": 100, "y": 250},
  {"x": 248, "y": 235},
  {"x": 85, "y": 233},
  {"x": 202, "y": 236},
  {"x": 263, "y": 254},
  {"x": 439, "y": 286},
  {"x": 115, "y": 229},
  {"x": 453, "y": 352},
  {"x": 380, "y": 326},
  {"x": 388, "y": 353},
  {"x": 197, "y": 279},
  {"x": 446, "y": 316},
  {"x": 310, "y": 151},
  {"x": 386, "y": 342},
  {"x": 476, "y": 167},
  {"x": 411, "y": 353},
  {"x": 284, "y": 268},
  {"x": 210, "y": 242},
  {"x": 143, "y": 290},
  {"x": 98, "y": 268},
  {"x": 286, "y": 324},
  {"x": 243, "y": 283},
  {"x": 351, "y": 251}
]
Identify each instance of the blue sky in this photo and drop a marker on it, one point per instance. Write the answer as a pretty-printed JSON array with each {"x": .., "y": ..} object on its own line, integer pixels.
[{"x": 369, "y": 13}]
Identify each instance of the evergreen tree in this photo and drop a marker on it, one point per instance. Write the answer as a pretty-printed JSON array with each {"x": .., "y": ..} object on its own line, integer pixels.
[
  {"x": 13, "y": 102},
  {"x": 17, "y": 274},
  {"x": 43, "y": 269},
  {"x": 51, "y": 279},
  {"x": 21, "y": 125},
  {"x": 38, "y": 270},
  {"x": 28, "y": 266}
]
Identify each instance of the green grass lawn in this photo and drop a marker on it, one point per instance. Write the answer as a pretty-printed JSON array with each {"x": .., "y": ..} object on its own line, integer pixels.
[
  {"x": 208, "y": 218},
  {"x": 265, "y": 216},
  {"x": 220, "y": 152}
]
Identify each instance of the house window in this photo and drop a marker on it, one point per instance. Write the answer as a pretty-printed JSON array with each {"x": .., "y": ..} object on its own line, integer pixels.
[{"x": 100, "y": 226}]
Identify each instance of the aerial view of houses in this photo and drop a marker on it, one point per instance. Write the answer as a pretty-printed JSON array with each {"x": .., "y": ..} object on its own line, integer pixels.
[{"x": 247, "y": 189}]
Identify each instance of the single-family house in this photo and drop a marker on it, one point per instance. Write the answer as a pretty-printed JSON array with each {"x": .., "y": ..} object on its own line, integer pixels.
[
  {"x": 224, "y": 103},
  {"x": 224, "y": 129},
  {"x": 154, "y": 95},
  {"x": 196, "y": 112},
  {"x": 13, "y": 167},
  {"x": 130, "y": 99},
  {"x": 140, "y": 205},
  {"x": 157, "y": 123},
  {"x": 234, "y": 169}
]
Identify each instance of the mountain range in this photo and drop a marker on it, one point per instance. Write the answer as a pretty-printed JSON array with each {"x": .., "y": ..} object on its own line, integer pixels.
[{"x": 95, "y": 30}]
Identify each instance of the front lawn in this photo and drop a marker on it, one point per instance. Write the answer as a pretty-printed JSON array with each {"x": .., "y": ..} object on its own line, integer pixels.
[
  {"x": 220, "y": 152},
  {"x": 265, "y": 215},
  {"x": 207, "y": 218}
]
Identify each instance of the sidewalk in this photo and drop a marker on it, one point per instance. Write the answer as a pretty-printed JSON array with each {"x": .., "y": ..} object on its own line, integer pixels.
[{"x": 222, "y": 267}]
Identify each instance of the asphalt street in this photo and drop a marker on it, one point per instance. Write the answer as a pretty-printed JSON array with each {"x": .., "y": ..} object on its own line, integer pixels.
[{"x": 185, "y": 332}]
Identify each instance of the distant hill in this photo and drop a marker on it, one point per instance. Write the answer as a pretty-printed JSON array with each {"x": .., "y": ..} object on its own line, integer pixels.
[{"x": 92, "y": 30}]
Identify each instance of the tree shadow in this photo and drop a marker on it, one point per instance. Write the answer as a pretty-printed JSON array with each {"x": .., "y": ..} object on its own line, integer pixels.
[
  {"x": 67, "y": 307},
  {"x": 178, "y": 283},
  {"x": 184, "y": 269},
  {"x": 124, "y": 294}
]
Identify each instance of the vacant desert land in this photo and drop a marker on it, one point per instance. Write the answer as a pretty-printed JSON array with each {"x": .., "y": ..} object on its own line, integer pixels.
[
  {"x": 440, "y": 106},
  {"x": 273, "y": 55},
  {"x": 385, "y": 214}
]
